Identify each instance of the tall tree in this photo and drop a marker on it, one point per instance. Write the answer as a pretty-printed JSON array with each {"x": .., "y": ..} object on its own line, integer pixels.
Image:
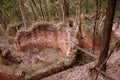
[
  {"x": 56, "y": 9},
  {"x": 41, "y": 8},
  {"x": 65, "y": 9},
  {"x": 35, "y": 18},
  {"x": 46, "y": 9},
  {"x": 0, "y": 52},
  {"x": 78, "y": 23},
  {"x": 107, "y": 33},
  {"x": 21, "y": 5},
  {"x": 36, "y": 7}
]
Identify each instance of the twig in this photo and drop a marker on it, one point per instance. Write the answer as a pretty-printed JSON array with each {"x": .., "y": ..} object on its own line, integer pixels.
[{"x": 101, "y": 22}]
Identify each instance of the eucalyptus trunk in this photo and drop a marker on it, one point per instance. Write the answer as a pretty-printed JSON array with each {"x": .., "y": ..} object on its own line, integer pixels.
[
  {"x": 36, "y": 8},
  {"x": 21, "y": 5},
  {"x": 41, "y": 8},
  {"x": 65, "y": 9},
  {"x": 46, "y": 10},
  {"x": 78, "y": 23},
  {"x": 35, "y": 18},
  {"x": 107, "y": 33}
]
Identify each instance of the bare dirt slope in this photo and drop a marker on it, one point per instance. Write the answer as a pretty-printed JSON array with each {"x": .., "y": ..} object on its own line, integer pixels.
[{"x": 82, "y": 72}]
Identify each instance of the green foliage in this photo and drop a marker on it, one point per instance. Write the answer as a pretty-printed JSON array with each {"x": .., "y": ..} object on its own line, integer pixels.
[
  {"x": 117, "y": 12},
  {"x": 13, "y": 67},
  {"x": 88, "y": 27},
  {"x": 0, "y": 60},
  {"x": 10, "y": 11},
  {"x": 63, "y": 64},
  {"x": 9, "y": 6},
  {"x": 104, "y": 4},
  {"x": 89, "y": 6},
  {"x": 72, "y": 6}
]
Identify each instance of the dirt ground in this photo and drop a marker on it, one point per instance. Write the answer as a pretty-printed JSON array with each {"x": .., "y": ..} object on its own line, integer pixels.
[
  {"x": 82, "y": 72},
  {"x": 34, "y": 60},
  {"x": 41, "y": 62},
  {"x": 38, "y": 62}
]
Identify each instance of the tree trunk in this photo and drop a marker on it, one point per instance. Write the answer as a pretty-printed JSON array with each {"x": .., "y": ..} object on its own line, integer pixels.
[
  {"x": 46, "y": 10},
  {"x": 36, "y": 7},
  {"x": 41, "y": 9},
  {"x": 78, "y": 24},
  {"x": 0, "y": 52},
  {"x": 107, "y": 33},
  {"x": 35, "y": 18},
  {"x": 21, "y": 5},
  {"x": 65, "y": 9},
  {"x": 56, "y": 9}
]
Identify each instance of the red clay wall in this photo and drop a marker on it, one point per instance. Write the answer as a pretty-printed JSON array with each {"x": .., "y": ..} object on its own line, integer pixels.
[{"x": 44, "y": 35}]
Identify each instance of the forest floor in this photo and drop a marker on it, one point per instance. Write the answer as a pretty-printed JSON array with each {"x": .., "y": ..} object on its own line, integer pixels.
[
  {"x": 38, "y": 63},
  {"x": 83, "y": 73},
  {"x": 34, "y": 60}
]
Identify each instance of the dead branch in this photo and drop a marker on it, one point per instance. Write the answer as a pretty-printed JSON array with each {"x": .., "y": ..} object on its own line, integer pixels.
[{"x": 86, "y": 52}]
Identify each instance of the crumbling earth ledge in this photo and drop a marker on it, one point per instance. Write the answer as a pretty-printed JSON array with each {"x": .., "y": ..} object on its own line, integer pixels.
[{"x": 45, "y": 35}]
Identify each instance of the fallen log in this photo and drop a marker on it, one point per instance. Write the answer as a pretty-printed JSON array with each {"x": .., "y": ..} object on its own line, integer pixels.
[{"x": 85, "y": 52}]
